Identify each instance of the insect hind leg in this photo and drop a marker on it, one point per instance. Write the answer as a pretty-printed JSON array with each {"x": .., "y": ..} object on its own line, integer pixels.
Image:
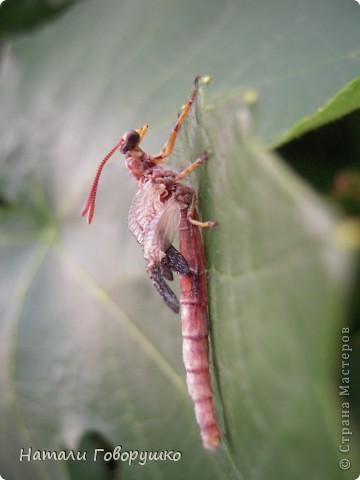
[
  {"x": 193, "y": 217},
  {"x": 187, "y": 196},
  {"x": 169, "y": 297}
]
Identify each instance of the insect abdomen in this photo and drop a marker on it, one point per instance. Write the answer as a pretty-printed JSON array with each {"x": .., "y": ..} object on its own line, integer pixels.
[{"x": 194, "y": 321}]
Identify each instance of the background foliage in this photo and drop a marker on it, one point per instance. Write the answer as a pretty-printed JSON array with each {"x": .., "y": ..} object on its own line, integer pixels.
[{"x": 90, "y": 357}]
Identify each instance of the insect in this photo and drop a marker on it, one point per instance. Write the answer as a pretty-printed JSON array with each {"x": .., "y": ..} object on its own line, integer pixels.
[{"x": 163, "y": 205}]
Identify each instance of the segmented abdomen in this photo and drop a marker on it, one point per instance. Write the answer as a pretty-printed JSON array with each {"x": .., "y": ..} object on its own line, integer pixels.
[{"x": 194, "y": 321}]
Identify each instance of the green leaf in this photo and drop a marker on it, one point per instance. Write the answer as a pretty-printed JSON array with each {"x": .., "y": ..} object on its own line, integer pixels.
[
  {"x": 277, "y": 283},
  {"x": 347, "y": 100},
  {"x": 123, "y": 63},
  {"x": 25, "y": 15},
  {"x": 87, "y": 347}
]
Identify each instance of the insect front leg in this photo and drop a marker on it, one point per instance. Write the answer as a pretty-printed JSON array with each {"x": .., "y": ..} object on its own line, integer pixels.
[{"x": 167, "y": 149}]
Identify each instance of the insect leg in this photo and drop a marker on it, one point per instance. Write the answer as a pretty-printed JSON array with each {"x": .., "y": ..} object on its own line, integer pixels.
[
  {"x": 162, "y": 287},
  {"x": 169, "y": 145},
  {"x": 192, "y": 167},
  {"x": 193, "y": 218}
]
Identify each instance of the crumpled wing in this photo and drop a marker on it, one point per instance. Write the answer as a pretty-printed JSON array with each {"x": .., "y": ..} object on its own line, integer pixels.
[
  {"x": 173, "y": 262},
  {"x": 154, "y": 224},
  {"x": 143, "y": 209},
  {"x": 161, "y": 230}
]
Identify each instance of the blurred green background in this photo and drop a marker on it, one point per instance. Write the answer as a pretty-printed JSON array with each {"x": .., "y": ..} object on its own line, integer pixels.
[{"x": 89, "y": 355}]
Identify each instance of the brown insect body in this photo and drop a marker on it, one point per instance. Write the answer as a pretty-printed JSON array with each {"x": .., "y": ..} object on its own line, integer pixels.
[
  {"x": 162, "y": 206},
  {"x": 195, "y": 331}
]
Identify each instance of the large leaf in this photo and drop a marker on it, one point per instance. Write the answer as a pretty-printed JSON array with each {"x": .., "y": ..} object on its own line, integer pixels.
[
  {"x": 105, "y": 58},
  {"x": 86, "y": 345},
  {"x": 276, "y": 283},
  {"x": 343, "y": 102}
]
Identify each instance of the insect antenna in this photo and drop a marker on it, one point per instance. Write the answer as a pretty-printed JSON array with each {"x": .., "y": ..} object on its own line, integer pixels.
[{"x": 89, "y": 206}]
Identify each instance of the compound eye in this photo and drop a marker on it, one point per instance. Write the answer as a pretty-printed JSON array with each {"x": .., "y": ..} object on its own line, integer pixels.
[{"x": 131, "y": 139}]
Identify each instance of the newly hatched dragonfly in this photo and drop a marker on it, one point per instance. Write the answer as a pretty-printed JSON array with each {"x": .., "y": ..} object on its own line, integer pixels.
[{"x": 162, "y": 206}]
